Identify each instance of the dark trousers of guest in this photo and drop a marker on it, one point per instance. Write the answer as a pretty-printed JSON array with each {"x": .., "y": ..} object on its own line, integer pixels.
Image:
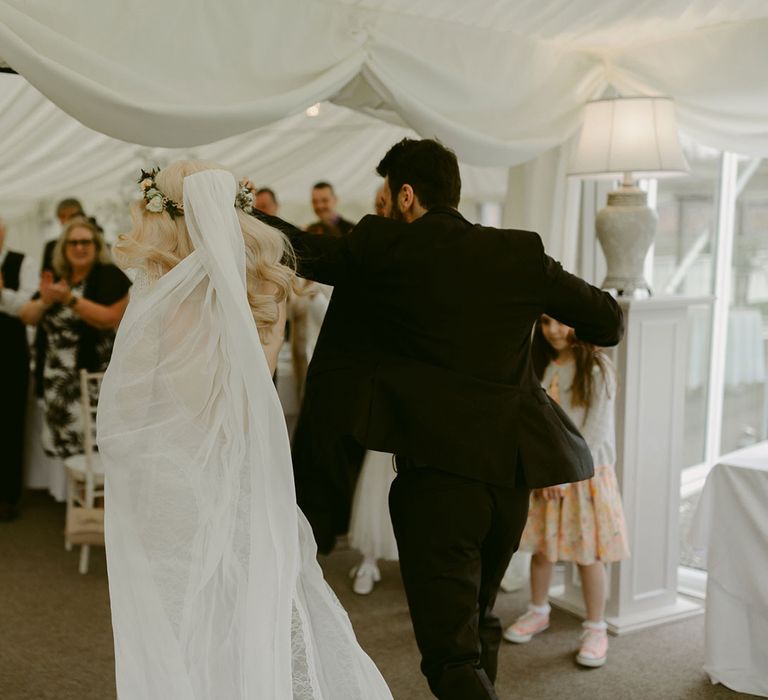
[
  {"x": 13, "y": 411},
  {"x": 455, "y": 538}
]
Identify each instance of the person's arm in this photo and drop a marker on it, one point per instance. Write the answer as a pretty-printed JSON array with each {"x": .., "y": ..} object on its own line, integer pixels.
[
  {"x": 12, "y": 300},
  {"x": 102, "y": 316},
  {"x": 34, "y": 310},
  {"x": 592, "y": 313},
  {"x": 599, "y": 418},
  {"x": 326, "y": 259},
  {"x": 107, "y": 284}
]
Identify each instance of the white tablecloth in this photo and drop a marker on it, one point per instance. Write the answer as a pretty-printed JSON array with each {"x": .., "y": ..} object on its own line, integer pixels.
[
  {"x": 40, "y": 470},
  {"x": 731, "y": 526}
]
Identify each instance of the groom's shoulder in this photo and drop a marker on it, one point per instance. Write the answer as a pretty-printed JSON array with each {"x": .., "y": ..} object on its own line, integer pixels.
[
  {"x": 520, "y": 239},
  {"x": 379, "y": 223},
  {"x": 372, "y": 229}
]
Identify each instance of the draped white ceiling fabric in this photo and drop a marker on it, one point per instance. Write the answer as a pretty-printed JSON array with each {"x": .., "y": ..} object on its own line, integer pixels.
[
  {"x": 48, "y": 155},
  {"x": 499, "y": 81}
]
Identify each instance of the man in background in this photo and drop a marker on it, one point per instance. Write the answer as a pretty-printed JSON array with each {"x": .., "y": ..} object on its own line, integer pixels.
[
  {"x": 66, "y": 209},
  {"x": 18, "y": 282},
  {"x": 329, "y": 223},
  {"x": 266, "y": 201},
  {"x": 324, "y": 202}
]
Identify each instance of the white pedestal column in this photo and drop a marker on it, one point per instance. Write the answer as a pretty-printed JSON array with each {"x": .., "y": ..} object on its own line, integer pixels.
[{"x": 651, "y": 371}]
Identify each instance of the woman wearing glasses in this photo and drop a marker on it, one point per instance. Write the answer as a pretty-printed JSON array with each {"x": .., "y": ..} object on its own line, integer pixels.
[{"x": 79, "y": 310}]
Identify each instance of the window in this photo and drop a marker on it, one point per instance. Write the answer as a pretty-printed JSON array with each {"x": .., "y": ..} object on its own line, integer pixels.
[
  {"x": 684, "y": 264},
  {"x": 744, "y": 419}
]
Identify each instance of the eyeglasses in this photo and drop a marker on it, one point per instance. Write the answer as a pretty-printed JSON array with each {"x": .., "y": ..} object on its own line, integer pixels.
[{"x": 85, "y": 242}]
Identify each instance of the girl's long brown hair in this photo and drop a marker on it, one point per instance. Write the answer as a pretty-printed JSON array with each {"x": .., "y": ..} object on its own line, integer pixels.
[{"x": 586, "y": 357}]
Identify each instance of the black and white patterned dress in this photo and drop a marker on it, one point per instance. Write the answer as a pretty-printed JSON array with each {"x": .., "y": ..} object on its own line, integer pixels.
[{"x": 63, "y": 427}]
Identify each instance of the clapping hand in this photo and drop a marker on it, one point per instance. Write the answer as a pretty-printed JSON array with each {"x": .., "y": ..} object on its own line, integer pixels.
[{"x": 53, "y": 292}]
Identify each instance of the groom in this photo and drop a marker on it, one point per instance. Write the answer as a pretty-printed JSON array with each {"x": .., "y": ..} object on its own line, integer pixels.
[{"x": 425, "y": 353}]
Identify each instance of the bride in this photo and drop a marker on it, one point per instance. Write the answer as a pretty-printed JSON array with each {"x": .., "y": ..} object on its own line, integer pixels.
[{"x": 214, "y": 586}]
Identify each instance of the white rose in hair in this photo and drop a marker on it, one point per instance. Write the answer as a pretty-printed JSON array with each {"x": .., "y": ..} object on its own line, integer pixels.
[{"x": 155, "y": 205}]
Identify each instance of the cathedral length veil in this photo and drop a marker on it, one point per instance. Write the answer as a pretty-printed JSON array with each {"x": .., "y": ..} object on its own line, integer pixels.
[{"x": 214, "y": 585}]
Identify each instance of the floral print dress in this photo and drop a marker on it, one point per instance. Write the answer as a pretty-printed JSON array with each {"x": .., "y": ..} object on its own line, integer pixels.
[{"x": 587, "y": 524}]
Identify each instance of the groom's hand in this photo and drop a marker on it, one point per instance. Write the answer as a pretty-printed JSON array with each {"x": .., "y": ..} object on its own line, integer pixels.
[{"x": 249, "y": 185}]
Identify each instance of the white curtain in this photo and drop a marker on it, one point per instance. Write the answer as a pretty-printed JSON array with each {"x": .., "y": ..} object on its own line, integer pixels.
[
  {"x": 717, "y": 76},
  {"x": 26, "y": 232},
  {"x": 542, "y": 198},
  {"x": 500, "y": 82}
]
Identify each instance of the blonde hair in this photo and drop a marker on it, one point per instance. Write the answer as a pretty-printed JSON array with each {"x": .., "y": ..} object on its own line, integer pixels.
[
  {"x": 157, "y": 243},
  {"x": 61, "y": 266}
]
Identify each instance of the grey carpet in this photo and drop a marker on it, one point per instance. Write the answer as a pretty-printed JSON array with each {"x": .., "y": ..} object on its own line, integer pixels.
[{"x": 55, "y": 633}]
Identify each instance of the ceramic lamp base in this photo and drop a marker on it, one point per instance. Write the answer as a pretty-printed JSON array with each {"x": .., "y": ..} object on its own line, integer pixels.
[{"x": 625, "y": 229}]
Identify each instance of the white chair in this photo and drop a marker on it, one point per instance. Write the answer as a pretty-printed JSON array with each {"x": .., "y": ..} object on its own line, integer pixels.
[{"x": 85, "y": 479}]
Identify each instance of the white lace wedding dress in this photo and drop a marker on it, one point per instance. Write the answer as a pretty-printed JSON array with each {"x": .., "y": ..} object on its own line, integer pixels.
[{"x": 215, "y": 590}]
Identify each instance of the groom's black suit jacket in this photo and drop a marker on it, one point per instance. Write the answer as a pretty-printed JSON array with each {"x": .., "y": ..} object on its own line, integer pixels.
[{"x": 425, "y": 348}]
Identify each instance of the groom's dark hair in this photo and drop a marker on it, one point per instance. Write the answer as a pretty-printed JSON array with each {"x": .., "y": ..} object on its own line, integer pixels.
[{"x": 428, "y": 167}]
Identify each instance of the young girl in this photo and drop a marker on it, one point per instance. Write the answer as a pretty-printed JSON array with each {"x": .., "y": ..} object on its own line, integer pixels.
[{"x": 581, "y": 522}]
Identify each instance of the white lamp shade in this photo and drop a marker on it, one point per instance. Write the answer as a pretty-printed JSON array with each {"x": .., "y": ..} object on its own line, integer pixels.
[{"x": 629, "y": 134}]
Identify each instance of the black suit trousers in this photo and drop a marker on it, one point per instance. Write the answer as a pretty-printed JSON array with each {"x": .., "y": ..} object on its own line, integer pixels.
[
  {"x": 13, "y": 412},
  {"x": 455, "y": 538}
]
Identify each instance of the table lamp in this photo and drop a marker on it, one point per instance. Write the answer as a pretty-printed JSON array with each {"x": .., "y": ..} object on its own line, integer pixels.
[{"x": 628, "y": 137}]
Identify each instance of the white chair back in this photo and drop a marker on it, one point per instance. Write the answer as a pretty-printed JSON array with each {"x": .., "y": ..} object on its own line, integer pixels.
[{"x": 85, "y": 478}]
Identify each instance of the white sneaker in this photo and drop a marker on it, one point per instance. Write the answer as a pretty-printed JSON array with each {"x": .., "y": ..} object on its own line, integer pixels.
[
  {"x": 364, "y": 577},
  {"x": 526, "y": 627},
  {"x": 594, "y": 648}
]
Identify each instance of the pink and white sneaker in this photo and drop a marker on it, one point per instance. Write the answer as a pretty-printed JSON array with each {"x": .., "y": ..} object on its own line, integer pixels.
[
  {"x": 526, "y": 626},
  {"x": 594, "y": 647}
]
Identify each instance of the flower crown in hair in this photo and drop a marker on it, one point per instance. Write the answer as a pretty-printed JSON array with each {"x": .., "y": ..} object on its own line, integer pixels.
[
  {"x": 244, "y": 198},
  {"x": 157, "y": 202}
]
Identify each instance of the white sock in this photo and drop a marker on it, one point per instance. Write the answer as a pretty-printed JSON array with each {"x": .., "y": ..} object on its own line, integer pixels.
[
  {"x": 588, "y": 624},
  {"x": 368, "y": 562},
  {"x": 541, "y": 609}
]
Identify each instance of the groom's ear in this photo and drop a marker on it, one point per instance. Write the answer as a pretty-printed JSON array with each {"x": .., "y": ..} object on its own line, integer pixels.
[
  {"x": 406, "y": 198},
  {"x": 409, "y": 205}
]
